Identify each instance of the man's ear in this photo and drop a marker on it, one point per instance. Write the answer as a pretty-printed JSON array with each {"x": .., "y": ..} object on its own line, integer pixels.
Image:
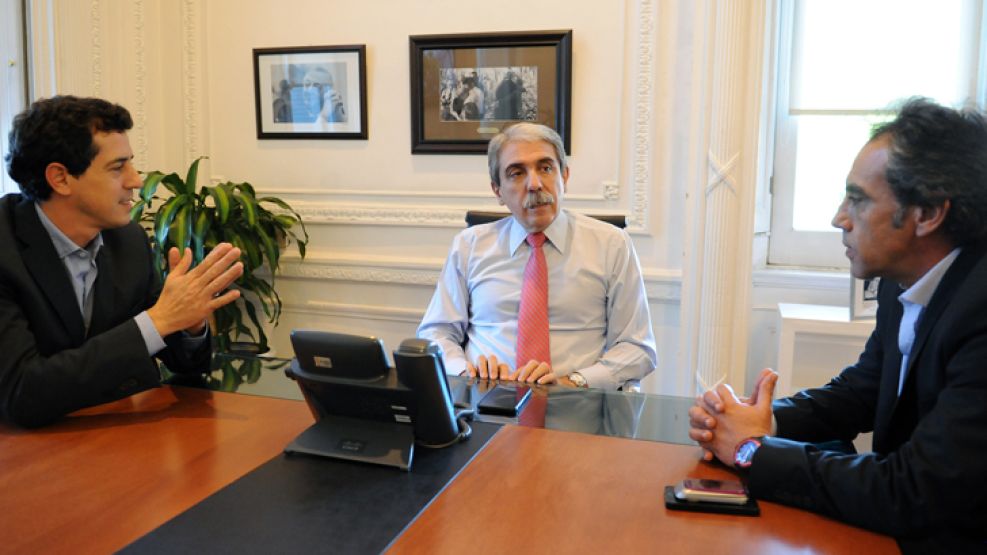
[
  {"x": 565, "y": 179},
  {"x": 57, "y": 176},
  {"x": 496, "y": 191},
  {"x": 930, "y": 219}
]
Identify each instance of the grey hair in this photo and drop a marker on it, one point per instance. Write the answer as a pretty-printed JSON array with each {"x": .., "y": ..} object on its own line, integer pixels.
[{"x": 528, "y": 133}]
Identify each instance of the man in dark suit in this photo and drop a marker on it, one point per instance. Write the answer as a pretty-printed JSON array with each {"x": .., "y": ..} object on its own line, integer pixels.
[
  {"x": 81, "y": 312},
  {"x": 915, "y": 214}
]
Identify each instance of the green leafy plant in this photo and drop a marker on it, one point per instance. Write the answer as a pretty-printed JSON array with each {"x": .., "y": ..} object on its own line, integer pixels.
[{"x": 202, "y": 218}]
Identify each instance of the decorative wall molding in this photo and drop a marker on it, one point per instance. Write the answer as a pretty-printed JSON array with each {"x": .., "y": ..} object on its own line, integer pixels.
[
  {"x": 356, "y": 311},
  {"x": 644, "y": 99},
  {"x": 662, "y": 285},
  {"x": 95, "y": 42},
  {"x": 337, "y": 213},
  {"x": 191, "y": 94},
  {"x": 610, "y": 191},
  {"x": 139, "y": 109}
]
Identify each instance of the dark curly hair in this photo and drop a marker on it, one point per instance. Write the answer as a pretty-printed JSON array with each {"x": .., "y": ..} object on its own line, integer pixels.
[
  {"x": 59, "y": 129},
  {"x": 939, "y": 154}
]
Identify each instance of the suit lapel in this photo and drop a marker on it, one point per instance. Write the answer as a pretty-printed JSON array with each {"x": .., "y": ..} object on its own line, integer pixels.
[
  {"x": 904, "y": 406},
  {"x": 891, "y": 363},
  {"x": 940, "y": 301},
  {"x": 48, "y": 271}
]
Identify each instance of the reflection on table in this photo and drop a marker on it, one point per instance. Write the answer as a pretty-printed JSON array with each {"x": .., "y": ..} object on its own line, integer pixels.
[{"x": 592, "y": 411}]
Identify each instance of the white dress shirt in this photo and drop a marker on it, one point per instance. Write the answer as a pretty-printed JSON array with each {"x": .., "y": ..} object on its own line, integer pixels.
[
  {"x": 914, "y": 300},
  {"x": 599, "y": 323}
]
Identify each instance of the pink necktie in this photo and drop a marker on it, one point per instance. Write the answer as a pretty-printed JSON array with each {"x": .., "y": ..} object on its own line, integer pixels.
[{"x": 532, "y": 321}]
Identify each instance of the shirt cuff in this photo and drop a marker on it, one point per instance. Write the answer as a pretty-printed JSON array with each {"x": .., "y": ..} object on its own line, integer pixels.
[
  {"x": 192, "y": 342},
  {"x": 152, "y": 339}
]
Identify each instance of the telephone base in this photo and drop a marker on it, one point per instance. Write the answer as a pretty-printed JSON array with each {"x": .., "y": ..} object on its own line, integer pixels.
[{"x": 368, "y": 441}]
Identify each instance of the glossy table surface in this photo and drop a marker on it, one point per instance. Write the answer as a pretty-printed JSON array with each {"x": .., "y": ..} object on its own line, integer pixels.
[
  {"x": 541, "y": 491},
  {"x": 105, "y": 476},
  {"x": 593, "y": 411}
]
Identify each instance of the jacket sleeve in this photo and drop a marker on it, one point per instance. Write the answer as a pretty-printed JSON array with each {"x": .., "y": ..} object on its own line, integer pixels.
[
  {"x": 932, "y": 481},
  {"x": 36, "y": 390}
]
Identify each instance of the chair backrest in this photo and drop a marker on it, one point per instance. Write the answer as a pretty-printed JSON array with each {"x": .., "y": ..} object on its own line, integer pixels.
[{"x": 474, "y": 217}]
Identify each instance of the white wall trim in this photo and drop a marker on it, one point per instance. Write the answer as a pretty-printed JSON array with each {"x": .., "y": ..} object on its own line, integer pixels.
[
  {"x": 42, "y": 49},
  {"x": 644, "y": 100},
  {"x": 610, "y": 191},
  {"x": 790, "y": 278},
  {"x": 192, "y": 93},
  {"x": 95, "y": 23},
  {"x": 356, "y": 311},
  {"x": 661, "y": 285},
  {"x": 139, "y": 110}
]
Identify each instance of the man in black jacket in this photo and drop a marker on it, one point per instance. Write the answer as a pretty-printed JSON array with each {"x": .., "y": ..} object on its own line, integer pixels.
[
  {"x": 81, "y": 312},
  {"x": 915, "y": 214}
]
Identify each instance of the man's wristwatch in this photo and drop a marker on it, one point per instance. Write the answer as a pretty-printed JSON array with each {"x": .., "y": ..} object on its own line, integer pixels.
[
  {"x": 743, "y": 456},
  {"x": 578, "y": 380}
]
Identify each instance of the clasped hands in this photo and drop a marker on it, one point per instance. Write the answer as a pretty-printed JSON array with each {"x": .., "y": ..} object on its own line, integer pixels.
[
  {"x": 720, "y": 420},
  {"x": 190, "y": 295},
  {"x": 489, "y": 368}
]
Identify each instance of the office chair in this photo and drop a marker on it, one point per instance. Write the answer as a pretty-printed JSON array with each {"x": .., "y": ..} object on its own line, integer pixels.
[{"x": 475, "y": 217}]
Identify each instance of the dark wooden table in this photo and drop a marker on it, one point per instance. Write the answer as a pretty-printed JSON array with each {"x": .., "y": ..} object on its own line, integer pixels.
[
  {"x": 544, "y": 491},
  {"x": 106, "y": 476}
]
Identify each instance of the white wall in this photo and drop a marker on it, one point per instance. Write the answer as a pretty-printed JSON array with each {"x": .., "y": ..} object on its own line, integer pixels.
[{"x": 381, "y": 219}]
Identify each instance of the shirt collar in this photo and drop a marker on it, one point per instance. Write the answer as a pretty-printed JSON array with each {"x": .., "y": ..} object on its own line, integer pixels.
[
  {"x": 557, "y": 232},
  {"x": 63, "y": 245},
  {"x": 921, "y": 291}
]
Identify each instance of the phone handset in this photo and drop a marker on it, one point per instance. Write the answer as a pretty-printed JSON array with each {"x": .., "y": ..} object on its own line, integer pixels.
[{"x": 420, "y": 368}]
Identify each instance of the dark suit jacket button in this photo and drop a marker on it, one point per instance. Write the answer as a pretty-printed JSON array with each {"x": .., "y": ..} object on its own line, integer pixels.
[{"x": 128, "y": 385}]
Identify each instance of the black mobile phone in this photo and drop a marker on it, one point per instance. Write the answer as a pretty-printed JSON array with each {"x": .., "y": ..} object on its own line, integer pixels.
[{"x": 504, "y": 400}]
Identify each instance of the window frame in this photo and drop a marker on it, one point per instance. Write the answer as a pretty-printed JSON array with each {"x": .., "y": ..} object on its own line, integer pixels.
[{"x": 818, "y": 249}]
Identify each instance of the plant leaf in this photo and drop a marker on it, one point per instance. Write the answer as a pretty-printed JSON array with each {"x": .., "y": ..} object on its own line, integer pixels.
[
  {"x": 249, "y": 204},
  {"x": 193, "y": 175},
  {"x": 181, "y": 227},
  {"x": 164, "y": 218},
  {"x": 221, "y": 196},
  {"x": 150, "y": 186},
  {"x": 174, "y": 184},
  {"x": 203, "y": 221},
  {"x": 137, "y": 211}
]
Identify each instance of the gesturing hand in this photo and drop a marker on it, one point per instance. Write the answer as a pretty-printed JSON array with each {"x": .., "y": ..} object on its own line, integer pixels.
[{"x": 189, "y": 296}]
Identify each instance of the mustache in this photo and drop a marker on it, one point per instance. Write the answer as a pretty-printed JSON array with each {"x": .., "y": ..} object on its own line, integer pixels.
[{"x": 538, "y": 198}]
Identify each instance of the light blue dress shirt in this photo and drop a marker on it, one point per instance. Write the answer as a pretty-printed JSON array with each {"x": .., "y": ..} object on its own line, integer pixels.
[
  {"x": 599, "y": 323},
  {"x": 80, "y": 263},
  {"x": 914, "y": 300}
]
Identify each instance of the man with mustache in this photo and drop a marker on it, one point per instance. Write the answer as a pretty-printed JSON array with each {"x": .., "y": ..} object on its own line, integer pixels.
[
  {"x": 81, "y": 312},
  {"x": 915, "y": 215},
  {"x": 594, "y": 328}
]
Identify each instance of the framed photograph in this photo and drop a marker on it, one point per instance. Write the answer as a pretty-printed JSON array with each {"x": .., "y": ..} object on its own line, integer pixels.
[
  {"x": 863, "y": 298},
  {"x": 311, "y": 92},
  {"x": 466, "y": 88}
]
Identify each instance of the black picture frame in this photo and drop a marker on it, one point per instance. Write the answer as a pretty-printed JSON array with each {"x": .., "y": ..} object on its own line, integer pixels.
[
  {"x": 311, "y": 92},
  {"x": 521, "y": 76}
]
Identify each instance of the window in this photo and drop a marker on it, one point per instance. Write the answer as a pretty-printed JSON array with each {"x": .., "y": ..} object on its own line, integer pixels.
[
  {"x": 843, "y": 65},
  {"x": 13, "y": 79}
]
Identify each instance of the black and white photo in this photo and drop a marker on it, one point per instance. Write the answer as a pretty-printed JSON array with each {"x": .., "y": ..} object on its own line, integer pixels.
[
  {"x": 311, "y": 92},
  {"x": 467, "y": 88},
  {"x": 489, "y": 94}
]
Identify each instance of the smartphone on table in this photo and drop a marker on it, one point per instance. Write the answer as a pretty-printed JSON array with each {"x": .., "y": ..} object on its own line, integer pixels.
[
  {"x": 504, "y": 400},
  {"x": 711, "y": 491}
]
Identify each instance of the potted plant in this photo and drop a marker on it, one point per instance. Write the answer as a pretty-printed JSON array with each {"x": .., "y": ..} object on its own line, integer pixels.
[{"x": 201, "y": 218}]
